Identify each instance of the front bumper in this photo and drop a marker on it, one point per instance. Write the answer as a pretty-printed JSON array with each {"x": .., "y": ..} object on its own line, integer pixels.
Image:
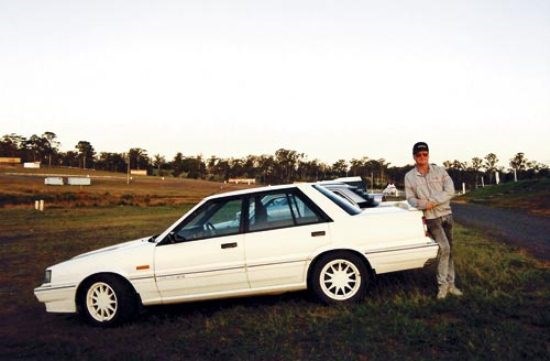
[{"x": 58, "y": 299}]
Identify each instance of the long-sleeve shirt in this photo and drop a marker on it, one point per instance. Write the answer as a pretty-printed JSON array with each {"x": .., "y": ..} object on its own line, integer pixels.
[{"x": 435, "y": 186}]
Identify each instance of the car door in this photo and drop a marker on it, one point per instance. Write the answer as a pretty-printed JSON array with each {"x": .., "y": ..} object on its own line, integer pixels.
[
  {"x": 204, "y": 254},
  {"x": 284, "y": 228}
]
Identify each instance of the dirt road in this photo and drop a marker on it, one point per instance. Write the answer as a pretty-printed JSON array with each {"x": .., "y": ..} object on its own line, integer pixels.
[{"x": 514, "y": 227}]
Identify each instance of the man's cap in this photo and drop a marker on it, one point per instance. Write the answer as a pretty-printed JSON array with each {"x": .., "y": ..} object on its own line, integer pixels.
[{"x": 420, "y": 147}]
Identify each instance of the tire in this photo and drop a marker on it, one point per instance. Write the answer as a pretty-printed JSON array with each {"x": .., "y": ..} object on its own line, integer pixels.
[
  {"x": 339, "y": 277},
  {"x": 107, "y": 301}
]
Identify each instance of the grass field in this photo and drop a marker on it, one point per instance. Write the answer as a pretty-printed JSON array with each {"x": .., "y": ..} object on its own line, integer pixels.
[
  {"x": 20, "y": 187},
  {"x": 504, "y": 314},
  {"x": 532, "y": 196}
]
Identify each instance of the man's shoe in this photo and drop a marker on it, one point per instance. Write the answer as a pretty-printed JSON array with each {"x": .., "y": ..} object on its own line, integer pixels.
[
  {"x": 455, "y": 291},
  {"x": 442, "y": 293}
]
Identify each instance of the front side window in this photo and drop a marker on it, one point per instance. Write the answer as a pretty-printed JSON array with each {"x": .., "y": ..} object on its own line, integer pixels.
[
  {"x": 281, "y": 209},
  {"x": 216, "y": 218}
]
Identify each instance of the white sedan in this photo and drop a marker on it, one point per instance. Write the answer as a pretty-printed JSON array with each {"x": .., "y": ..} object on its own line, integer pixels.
[{"x": 255, "y": 241}]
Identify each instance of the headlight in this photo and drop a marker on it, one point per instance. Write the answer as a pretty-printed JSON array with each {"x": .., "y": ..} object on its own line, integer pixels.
[{"x": 48, "y": 276}]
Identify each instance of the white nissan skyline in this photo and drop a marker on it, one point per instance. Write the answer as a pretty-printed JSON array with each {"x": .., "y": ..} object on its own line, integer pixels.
[{"x": 257, "y": 241}]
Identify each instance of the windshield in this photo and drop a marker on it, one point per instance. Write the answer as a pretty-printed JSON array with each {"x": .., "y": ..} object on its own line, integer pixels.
[{"x": 345, "y": 205}]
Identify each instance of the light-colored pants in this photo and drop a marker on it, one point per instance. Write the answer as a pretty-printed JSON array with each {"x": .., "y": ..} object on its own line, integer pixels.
[{"x": 441, "y": 229}]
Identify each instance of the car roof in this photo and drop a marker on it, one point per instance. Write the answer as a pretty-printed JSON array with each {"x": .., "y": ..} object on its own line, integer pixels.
[{"x": 258, "y": 190}]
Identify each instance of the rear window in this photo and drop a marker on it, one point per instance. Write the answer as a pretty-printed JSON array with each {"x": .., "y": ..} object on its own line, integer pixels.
[{"x": 340, "y": 202}]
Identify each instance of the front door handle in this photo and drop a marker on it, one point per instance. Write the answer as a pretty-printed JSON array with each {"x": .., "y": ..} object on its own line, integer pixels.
[
  {"x": 318, "y": 234},
  {"x": 229, "y": 245}
]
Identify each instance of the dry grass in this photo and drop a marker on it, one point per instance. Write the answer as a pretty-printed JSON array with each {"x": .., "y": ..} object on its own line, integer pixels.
[{"x": 19, "y": 187}]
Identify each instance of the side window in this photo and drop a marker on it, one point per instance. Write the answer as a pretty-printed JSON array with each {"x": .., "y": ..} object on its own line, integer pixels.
[
  {"x": 302, "y": 212},
  {"x": 280, "y": 210},
  {"x": 216, "y": 218}
]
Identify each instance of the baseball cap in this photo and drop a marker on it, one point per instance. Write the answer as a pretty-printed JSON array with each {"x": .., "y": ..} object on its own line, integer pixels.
[{"x": 419, "y": 147}]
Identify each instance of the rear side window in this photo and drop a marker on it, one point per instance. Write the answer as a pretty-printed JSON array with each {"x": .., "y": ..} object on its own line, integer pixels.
[
  {"x": 280, "y": 210},
  {"x": 340, "y": 202}
]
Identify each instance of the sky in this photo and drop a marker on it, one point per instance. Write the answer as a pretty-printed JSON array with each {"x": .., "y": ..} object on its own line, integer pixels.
[{"x": 332, "y": 79}]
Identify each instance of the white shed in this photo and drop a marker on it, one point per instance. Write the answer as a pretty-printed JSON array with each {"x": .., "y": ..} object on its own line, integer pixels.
[
  {"x": 79, "y": 181},
  {"x": 53, "y": 181}
]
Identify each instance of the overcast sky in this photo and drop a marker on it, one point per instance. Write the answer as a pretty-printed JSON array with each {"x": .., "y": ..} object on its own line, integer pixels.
[{"x": 332, "y": 79}]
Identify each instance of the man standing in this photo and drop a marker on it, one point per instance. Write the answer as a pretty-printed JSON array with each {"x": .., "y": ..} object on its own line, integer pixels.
[{"x": 429, "y": 188}]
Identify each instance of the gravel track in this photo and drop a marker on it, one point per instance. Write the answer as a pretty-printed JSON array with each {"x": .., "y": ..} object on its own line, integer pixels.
[{"x": 513, "y": 227}]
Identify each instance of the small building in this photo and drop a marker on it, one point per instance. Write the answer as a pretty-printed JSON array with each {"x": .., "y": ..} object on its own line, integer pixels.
[
  {"x": 79, "y": 181},
  {"x": 53, "y": 181},
  {"x": 248, "y": 181},
  {"x": 10, "y": 160},
  {"x": 31, "y": 165},
  {"x": 138, "y": 172}
]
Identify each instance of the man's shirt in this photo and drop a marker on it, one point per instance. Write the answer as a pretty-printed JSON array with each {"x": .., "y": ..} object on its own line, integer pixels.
[{"x": 435, "y": 186}]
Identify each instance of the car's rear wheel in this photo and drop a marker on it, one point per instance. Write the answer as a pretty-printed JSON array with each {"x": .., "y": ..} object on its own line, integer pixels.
[
  {"x": 107, "y": 301},
  {"x": 339, "y": 277}
]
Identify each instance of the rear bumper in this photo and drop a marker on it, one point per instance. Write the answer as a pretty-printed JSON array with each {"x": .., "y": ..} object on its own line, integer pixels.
[
  {"x": 58, "y": 299},
  {"x": 403, "y": 258}
]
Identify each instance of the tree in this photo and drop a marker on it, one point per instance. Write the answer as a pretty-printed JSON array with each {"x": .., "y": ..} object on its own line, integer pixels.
[
  {"x": 70, "y": 159},
  {"x": 177, "y": 164},
  {"x": 138, "y": 158},
  {"x": 358, "y": 167},
  {"x": 11, "y": 145},
  {"x": 340, "y": 168},
  {"x": 519, "y": 163},
  {"x": 158, "y": 161},
  {"x": 53, "y": 145},
  {"x": 286, "y": 162},
  {"x": 266, "y": 164},
  {"x": 114, "y": 162},
  {"x": 86, "y": 153},
  {"x": 477, "y": 164},
  {"x": 491, "y": 161}
]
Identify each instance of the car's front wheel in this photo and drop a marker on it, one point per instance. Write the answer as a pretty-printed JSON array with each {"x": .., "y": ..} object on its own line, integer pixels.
[
  {"x": 339, "y": 277},
  {"x": 107, "y": 301}
]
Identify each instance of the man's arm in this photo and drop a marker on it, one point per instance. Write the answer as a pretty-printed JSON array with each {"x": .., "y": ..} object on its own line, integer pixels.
[
  {"x": 448, "y": 190},
  {"x": 410, "y": 194}
]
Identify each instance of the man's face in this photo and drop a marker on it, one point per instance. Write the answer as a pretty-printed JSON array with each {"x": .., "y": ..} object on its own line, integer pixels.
[{"x": 422, "y": 158}]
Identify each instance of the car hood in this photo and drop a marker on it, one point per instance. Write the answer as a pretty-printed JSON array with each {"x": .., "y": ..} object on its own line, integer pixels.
[{"x": 115, "y": 248}]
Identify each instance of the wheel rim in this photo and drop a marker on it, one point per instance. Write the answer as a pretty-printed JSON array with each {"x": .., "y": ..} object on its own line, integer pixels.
[
  {"x": 340, "y": 279},
  {"x": 101, "y": 302}
]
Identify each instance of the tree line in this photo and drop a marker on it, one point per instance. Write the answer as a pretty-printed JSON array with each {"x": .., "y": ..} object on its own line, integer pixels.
[{"x": 284, "y": 166}]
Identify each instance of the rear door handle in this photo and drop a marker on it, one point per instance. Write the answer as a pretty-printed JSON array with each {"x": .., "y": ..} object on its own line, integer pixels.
[
  {"x": 229, "y": 245},
  {"x": 318, "y": 234}
]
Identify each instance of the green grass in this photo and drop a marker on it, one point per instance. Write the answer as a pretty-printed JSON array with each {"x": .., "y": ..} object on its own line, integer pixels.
[
  {"x": 503, "y": 315},
  {"x": 530, "y": 195}
]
